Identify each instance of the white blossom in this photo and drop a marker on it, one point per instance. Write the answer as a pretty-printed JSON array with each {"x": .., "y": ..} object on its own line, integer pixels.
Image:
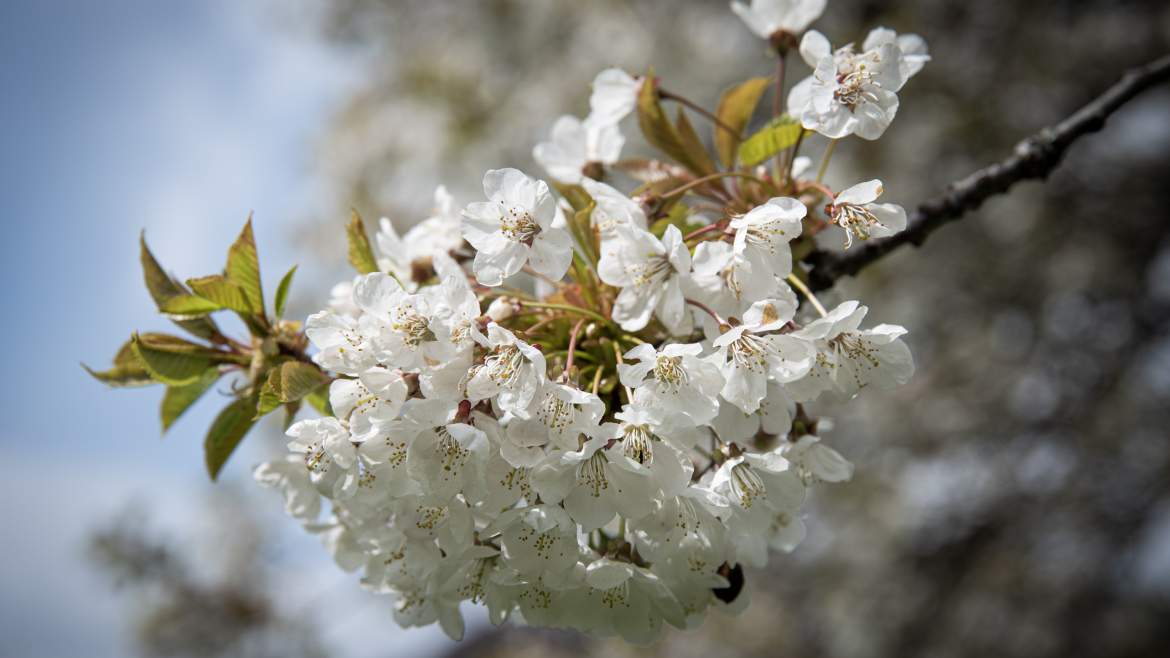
[
  {"x": 438, "y": 234},
  {"x": 615, "y": 93},
  {"x": 849, "y": 358},
  {"x": 855, "y": 212},
  {"x": 848, "y": 92},
  {"x": 575, "y": 146},
  {"x": 674, "y": 380},
  {"x": 514, "y": 227},
  {"x": 768, "y": 17},
  {"x": 650, "y": 273},
  {"x": 754, "y": 352}
]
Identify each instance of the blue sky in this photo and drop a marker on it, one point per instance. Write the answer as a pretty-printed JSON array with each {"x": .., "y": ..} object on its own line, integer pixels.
[{"x": 176, "y": 118}]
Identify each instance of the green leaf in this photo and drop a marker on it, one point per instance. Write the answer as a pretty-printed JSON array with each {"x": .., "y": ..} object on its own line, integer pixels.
[
  {"x": 693, "y": 145},
  {"x": 290, "y": 413},
  {"x": 187, "y": 307},
  {"x": 180, "y": 398},
  {"x": 289, "y": 382},
  {"x": 679, "y": 216},
  {"x": 174, "y": 361},
  {"x": 319, "y": 399},
  {"x": 128, "y": 370},
  {"x": 282, "y": 291},
  {"x": 163, "y": 288},
  {"x": 228, "y": 428},
  {"x": 780, "y": 133},
  {"x": 222, "y": 292},
  {"x": 158, "y": 282},
  {"x": 735, "y": 110},
  {"x": 361, "y": 256},
  {"x": 576, "y": 195},
  {"x": 243, "y": 269},
  {"x": 269, "y": 398}
]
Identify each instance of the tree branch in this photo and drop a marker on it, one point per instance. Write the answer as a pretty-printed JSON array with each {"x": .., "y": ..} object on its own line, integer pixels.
[{"x": 1033, "y": 158}]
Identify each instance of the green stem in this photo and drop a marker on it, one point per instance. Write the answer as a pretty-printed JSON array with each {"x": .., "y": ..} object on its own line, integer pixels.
[
  {"x": 825, "y": 160},
  {"x": 565, "y": 307}
]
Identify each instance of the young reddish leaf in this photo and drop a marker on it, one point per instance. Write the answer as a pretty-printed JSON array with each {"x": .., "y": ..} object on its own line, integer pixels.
[{"x": 693, "y": 145}]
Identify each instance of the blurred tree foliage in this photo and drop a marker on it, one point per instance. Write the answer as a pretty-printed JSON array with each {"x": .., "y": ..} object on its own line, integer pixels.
[{"x": 182, "y": 610}]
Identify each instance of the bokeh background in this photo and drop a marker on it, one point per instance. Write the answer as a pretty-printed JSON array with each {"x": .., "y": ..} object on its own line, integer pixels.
[{"x": 1013, "y": 500}]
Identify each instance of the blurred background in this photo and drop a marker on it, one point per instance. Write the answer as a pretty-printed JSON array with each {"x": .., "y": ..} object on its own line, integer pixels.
[{"x": 1013, "y": 500}]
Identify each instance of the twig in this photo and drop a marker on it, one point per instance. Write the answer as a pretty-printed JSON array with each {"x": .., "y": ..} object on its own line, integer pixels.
[{"x": 1034, "y": 158}]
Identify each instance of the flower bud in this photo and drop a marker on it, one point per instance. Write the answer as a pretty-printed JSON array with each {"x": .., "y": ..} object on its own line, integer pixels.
[{"x": 500, "y": 309}]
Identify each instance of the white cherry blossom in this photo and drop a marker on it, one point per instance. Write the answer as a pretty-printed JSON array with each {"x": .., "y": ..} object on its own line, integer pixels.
[
  {"x": 650, "y": 273},
  {"x": 855, "y": 211},
  {"x": 762, "y": 235},
  {"x": 674, "y": 380},
  {"x": 754, "y": 352},
  {"x": 849, "y": 358},
  {"x": 513, "y": 372},
  {"x": 768, "y": 17},
  {"x": 848, "y": 93},
  {"x": 575, "y": 148},
  {"x": 615, "y": 93},
  {"x": 514, "y": 227}
]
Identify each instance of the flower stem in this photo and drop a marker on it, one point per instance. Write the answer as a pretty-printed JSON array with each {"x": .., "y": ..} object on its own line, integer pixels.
[
  {"x": 597, "y": 377},
  {"x": 564, "y": 307},
  {"x": 708, "y": 310},
  {"x": 573, "y": 346},
  {"x": 792, "y": 158},
  {"x": 808, "y": 294},
  {"x": 777, "y": 99},
  {"x": 825, "y": 160},
  {"x": 617, "y": 356},
  {"x": 702, "y": 231}
]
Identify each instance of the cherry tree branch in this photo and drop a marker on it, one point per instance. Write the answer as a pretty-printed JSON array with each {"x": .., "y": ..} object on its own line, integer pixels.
[{"x": 1034, "y": 158}]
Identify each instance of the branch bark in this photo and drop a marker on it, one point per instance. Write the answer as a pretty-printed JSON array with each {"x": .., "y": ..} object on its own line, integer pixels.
[{"x": 1034, "y": 158}]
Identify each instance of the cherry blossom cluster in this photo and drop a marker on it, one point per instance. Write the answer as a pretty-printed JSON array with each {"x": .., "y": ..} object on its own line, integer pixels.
[{"x": 599, "y": 425}]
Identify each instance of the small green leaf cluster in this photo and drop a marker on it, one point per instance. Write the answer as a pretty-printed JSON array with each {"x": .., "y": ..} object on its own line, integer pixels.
[{"x": 267, "y": 370}]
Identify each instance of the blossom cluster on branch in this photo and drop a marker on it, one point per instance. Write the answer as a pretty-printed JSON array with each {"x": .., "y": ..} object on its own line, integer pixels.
[
  {"x": 584, "y": 404},
  {"x": 608, "y": 448}
]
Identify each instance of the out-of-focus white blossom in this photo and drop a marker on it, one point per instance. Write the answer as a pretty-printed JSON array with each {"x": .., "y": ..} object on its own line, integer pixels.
[{"x": 768, "y": 17}]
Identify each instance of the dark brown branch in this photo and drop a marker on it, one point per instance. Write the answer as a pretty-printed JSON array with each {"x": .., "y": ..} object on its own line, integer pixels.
[{"x": 1033, "y": 158}]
